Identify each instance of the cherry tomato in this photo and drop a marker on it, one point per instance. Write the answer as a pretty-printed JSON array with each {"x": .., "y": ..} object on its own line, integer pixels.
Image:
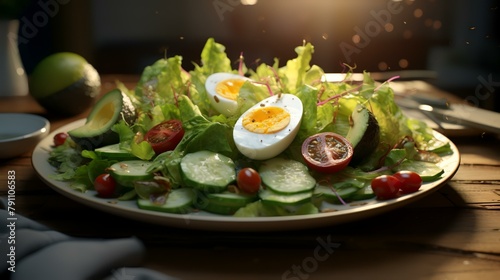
[
  {"x": 248, "y": 180},
  {"x": 165, "y": 136},
  {"x": 386, "y": 186},
  {"x": 411, "y": 181},
  {"x": 327, "y": 152},
  {"x": 60, "y": 138},
  {"x": 105, "y": 185}
]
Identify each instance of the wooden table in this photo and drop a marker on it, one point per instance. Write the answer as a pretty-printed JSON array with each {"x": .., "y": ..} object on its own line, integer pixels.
[{"x": 453, "y": 233}]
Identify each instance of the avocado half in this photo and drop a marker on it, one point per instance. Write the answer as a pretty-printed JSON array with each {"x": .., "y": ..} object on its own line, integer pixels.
[
  {"x": 364, "y": 133},
  {"x": 74, "y": 99},
  {"x": 107, "y": 111},
  {"x": 65, "y": 84}
]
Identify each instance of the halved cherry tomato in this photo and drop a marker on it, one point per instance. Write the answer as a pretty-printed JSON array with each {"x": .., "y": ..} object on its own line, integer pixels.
[
  {"x": 327, "y": 152},
  {"x": 386, "y": 186},
  {"x": 105, "y": 185},
  {"x": 411, "y": 181},
  {"x": 60, "y": 138},
  {"x": 248, "y": 180},
  {"x": 165, "y": 136}
]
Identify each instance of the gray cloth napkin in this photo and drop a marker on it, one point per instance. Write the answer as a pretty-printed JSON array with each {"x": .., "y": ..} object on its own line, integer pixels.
[{"x": 42, "y": 253}]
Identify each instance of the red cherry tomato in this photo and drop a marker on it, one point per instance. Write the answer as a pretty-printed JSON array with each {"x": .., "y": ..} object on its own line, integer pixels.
[
  {"x": 248, "y": 180},
  {"x": 165, "y": 136},
  {"x": 60, "y": 138},
  {"x": 105, "y": 185},
  {"x": 386, "y": 186},
  {"x": 411, "y": 181},
  {"x": 327, "y": 152}
]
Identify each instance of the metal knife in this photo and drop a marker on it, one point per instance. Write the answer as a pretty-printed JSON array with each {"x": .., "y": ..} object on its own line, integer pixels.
[{"x": 467, "y": 115}]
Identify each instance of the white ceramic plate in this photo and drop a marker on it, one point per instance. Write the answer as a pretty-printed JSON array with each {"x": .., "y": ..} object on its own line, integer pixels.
[{"x": 206, "y": 221}]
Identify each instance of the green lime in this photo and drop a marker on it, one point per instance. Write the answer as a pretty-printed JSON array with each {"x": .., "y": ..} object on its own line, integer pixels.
[{"x": 65, "y": 83}]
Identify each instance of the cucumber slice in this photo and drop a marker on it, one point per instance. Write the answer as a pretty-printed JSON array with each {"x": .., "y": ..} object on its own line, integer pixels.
[
  {"x": 362, "y": 194},
  {"x": 333, "y": 196},
  {"x": 229, "y": 198},
  {"x": 343, "y": 189},
  {"x": 271, "y": 197},
  {"x": 286, "y": 176},
  {"x": 220, "y": 209},
  {"x": 208, "y": 171},
  {"x": 114, "y": 152},
  {"x": 179, "y": 201},
  {"x": 259, "y": 209},
  {"x": 126, "y": 172},
  {"x": 225, "y": 203}
]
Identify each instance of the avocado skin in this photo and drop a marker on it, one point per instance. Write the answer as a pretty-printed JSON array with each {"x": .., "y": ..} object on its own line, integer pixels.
[
  {"x": 370, "y": 139},
  {"x": 91, "y": 143},
  {"x": 128, "y": 113},
  {"x": 368, "y": 142},
  {"x": 72, "y": 100}
]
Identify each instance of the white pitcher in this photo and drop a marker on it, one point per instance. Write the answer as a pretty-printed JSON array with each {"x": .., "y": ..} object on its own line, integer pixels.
[{"x": 13, "y": 80}]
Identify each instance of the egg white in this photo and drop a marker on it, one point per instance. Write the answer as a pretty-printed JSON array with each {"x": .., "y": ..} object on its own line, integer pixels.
[
  {"x": 265, "y": 146},
  {"x": 220, "y": 103}
]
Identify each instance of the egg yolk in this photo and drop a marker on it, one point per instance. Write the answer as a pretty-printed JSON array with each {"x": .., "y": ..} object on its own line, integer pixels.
[
  {"x": 266, "y": 120},
  {"x": 229, "y": 88}
]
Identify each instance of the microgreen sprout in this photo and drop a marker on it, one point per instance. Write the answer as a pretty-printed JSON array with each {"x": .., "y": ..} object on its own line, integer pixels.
[
  {"x": 176, "y": 96},
  {"x": 337, "y": 96},
  {"x": 388, "y": 81},
  {"x": 268, "y": 86},
  {"x": 276, "y": 75},
  {"x": 330, "y": 185}
]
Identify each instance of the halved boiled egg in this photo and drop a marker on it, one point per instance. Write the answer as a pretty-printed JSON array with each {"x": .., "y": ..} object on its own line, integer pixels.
[
  {"x": 223, "y": 90},
  {"x": 269, "y": 127}
]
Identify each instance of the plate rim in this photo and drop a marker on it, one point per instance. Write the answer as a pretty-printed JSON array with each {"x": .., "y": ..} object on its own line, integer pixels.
[{"x": 214, "y": 222}]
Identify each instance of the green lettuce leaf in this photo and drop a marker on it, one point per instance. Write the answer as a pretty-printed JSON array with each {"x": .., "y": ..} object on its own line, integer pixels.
[{"x": 293, "y": 74}]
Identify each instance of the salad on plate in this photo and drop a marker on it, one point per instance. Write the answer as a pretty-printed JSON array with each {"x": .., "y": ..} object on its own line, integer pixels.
[{"x": 276, "y": 140}]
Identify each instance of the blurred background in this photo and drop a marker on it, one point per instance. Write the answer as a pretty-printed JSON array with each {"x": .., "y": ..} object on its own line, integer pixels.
[{"x": 457, "y": 40}]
